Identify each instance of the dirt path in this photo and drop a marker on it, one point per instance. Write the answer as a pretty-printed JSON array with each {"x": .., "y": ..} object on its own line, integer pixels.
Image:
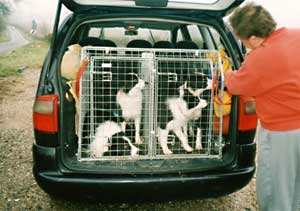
[
  {"x": 16, "y": 40},
  {"x": 18, "y": 189}
]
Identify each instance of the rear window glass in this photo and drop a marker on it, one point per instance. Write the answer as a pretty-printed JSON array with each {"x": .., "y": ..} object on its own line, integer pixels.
[
  {"x": 205, "y": 37},
  {"x": 120, "y": 36},
  {"x": 195, "y": 35}
]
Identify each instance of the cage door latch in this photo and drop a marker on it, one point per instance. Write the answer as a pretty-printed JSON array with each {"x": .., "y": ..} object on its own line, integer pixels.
[
  {"x": 106, "y": 76},
  {"x": 171, "y": 77}
]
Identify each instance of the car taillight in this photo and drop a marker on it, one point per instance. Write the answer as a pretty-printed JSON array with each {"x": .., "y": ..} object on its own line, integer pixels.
[
  {"x": 247, "y": 119},
  {"x": 45, "y": 113}
]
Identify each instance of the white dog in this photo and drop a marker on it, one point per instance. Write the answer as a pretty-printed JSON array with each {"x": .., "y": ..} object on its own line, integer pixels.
[
  {"x": 131, "y": 106},
  {"x": 104, "y": 133},
  {"x": 181, "y": 114}
]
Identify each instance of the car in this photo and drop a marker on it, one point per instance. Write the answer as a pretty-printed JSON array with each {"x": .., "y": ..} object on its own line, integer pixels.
[{"x": 131, "y": 103}]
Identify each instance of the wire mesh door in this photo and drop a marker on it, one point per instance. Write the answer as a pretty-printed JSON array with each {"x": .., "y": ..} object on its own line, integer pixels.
[
  {"x": 184, "y": 105},
  {"x": 112, "y": 108},
  {"x": 147, "y": 104}
]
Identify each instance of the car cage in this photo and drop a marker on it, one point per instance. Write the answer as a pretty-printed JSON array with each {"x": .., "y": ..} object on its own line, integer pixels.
[{"x": 104, "y": 133}]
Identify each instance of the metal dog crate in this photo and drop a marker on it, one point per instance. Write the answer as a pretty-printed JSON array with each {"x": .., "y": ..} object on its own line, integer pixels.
[{"x": 110, "y": 70}]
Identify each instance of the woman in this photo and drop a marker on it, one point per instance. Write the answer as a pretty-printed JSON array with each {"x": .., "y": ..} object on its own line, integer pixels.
[{"x": 271, "y": 73}]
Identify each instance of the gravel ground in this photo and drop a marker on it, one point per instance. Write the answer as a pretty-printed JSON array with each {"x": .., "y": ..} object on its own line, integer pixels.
[{"x": 18, "y": 189}]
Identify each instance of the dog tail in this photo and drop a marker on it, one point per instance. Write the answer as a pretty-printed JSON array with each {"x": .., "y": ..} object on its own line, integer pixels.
[{"x": 134, "y": 150}]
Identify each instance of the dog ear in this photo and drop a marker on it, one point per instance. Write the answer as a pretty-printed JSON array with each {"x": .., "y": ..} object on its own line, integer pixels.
[
  {"x": 134, "y": 76},
  {"x": 209, "y": 83},
  {"x": 203, "y": 103},
  {"x": 192, "y": 91},
  {"x": 181, "y": 90}
]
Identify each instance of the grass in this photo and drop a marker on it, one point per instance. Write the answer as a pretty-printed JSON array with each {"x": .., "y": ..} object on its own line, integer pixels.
[
  {"x": 4, "y": 37},
  {"x": 29, "y": 56}
]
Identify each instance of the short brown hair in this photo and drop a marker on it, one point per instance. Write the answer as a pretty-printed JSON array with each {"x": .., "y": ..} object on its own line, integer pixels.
[{"x": 252, "y": 19}]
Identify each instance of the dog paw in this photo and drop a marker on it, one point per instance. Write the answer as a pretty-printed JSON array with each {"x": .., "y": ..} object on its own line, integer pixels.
[
  {"x": 167, "y": 152},
  {"x": 134, "y": 151},
  {"x": 138, "y": 140},
  {"x": 199, "y": 146},
  {"x": 188, "y": 148}
]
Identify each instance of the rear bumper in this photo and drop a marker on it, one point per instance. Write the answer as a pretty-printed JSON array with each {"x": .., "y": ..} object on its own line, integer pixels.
[{"x": 138, "y": 186}]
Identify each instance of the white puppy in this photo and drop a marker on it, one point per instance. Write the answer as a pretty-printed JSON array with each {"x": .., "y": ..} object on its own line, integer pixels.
[
  {"x": 131, "y": 105},
  {"x": 104, "y": 133}
]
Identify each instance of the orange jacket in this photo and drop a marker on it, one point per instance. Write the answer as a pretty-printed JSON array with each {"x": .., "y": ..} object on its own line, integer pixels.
[{"x": 271, "y": 73}]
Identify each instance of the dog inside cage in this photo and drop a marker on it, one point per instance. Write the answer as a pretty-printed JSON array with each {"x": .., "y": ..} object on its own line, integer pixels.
[
  {"x": 112, "y": 117},
  {"x": 184, "y": 91},
  {"x": 135, "y": 105}
]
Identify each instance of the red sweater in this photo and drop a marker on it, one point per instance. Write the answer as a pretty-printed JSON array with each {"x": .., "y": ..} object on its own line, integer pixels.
[{"x": 271, "y": 73}]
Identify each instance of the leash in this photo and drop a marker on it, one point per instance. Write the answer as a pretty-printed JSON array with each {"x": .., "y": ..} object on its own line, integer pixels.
[{"x": 79, "y": 75}]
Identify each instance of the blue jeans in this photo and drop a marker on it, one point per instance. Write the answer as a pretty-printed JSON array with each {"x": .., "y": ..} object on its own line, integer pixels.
[{"x": 278, "y": 171}]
